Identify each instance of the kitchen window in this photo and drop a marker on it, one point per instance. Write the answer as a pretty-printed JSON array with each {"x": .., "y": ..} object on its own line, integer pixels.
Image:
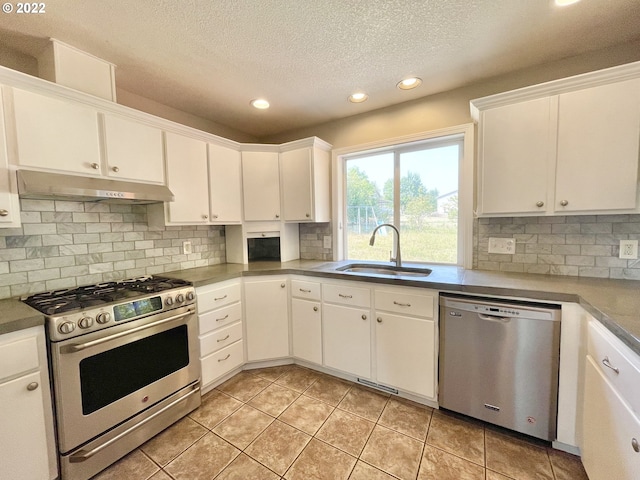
[{"x": 423, "y": 187}]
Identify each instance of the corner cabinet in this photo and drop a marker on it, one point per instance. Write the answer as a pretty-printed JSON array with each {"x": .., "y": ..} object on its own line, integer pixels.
[
  {"x": 27, "y": 445},
  {"x": 9, "y": 203},
  {"x": 554, "y": 149}
]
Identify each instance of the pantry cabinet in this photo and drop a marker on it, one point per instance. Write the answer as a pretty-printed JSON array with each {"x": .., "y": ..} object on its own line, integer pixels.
[
  {"x": 54, "y": 134},
  {"x": 27, "y": 446},
  {"x": 9, "y": 203},
  {"x": 225, "y": 185},
  {"x": 133, "y": 150},
  {"x": 266, "y": 317},
  {"x": 261, "y": 185},
  {"x": 568, "y": 146}
]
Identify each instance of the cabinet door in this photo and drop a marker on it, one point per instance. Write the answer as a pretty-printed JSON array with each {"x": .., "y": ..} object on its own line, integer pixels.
[
  {"x": 406, "y": 353},
  {"x": 598, "y": 145},
  {"x": 306, "y": 326},
  {"x": 516, "y": 150},
  {"x": 225, "y": 180},
  {"x": 267, "y": 319},
  {"x": 56, "y": 135},
  {"x": 609, "y": 427},
  {"x": 133, "y": 150},
  {"x": 23, "y": 443},
  {"x": 9, "y": 204},
  {"x": 261, "y": 185},
  {"x": 297, "y": 188},
  {"x": 346, "y": 339},
  {"x": 187, "y": 178}
]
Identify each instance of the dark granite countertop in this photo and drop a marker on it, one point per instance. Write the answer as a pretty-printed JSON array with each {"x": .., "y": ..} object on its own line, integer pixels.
[
  {"x": 15, "y": 315},
  {"x": 615, "y": 303}
]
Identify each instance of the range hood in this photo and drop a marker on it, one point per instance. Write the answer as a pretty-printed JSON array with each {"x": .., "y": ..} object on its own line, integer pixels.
[{"x": 55, "y": 186}]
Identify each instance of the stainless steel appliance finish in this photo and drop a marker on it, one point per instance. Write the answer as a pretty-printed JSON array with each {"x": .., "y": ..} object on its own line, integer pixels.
[
  {"x": 499, "y": 362},
  {"x": 125, "y": 365},
  {"x": 47, "y": 185}
]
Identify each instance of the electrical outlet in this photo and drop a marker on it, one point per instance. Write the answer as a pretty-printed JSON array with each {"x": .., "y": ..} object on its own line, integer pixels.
[
  {"x": 629, "y": 249},
  {"x": 186, "y": 247},
  {"x": 502, "y": 245},
  {"x": 326, "y": 241}
]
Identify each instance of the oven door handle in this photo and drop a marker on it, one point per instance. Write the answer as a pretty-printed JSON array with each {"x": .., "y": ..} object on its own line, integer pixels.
[
  {"x": 82, "y": 346},
  {"x": 83, "y": 455}
]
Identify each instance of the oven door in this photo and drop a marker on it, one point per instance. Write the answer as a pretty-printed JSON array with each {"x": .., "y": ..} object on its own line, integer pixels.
[{"x": 104, "y": 378}]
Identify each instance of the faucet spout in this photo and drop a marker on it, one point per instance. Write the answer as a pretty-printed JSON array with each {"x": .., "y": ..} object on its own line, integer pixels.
[{"x": 372, "y": 240}]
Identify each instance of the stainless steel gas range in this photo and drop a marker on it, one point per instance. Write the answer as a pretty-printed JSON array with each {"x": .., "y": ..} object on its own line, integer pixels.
[{"x": 124, "y": 365}]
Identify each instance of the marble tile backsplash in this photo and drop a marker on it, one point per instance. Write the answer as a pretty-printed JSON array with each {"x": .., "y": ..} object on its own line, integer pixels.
[
  {"x": 581, "y": 245},
  {"x": 312, "y": 240},
  {"x": 63, "y": 244}
]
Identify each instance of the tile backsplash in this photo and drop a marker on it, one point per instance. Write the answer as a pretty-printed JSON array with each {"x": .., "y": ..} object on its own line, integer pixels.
[
  {"x": 581, "y": 245},
  {"x": 312, "y": 240},
  {"x": 63, "y": 244}
]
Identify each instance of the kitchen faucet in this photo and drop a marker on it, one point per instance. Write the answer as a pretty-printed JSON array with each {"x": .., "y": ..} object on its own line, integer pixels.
[{"x": 372, "y": 240}]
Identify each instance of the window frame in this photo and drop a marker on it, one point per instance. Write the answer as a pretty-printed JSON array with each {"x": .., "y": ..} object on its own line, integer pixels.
[{"x": 463, "y": 132}]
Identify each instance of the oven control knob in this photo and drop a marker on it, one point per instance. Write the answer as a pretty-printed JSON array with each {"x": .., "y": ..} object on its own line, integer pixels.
[
  {"x": 67, "y": 327},
  {"x": 169, "y": 301},
  {"x": 190, "y": 296},
  {"x": 179, "y": 298},
  {"x": 103, "y": 317},
  {"x": 85, "y": 322}
]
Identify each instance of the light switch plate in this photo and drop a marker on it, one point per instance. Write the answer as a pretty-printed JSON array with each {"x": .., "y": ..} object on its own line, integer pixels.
[
  {"x": 326, "y": 241},
  {"x": 629, "y": 249},
  {"x": 502, "y": 245},
  {"x": 186, "y": 247}
]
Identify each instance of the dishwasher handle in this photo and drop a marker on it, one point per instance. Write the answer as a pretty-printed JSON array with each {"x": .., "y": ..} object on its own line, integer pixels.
[{"x": 494, "y": 318}]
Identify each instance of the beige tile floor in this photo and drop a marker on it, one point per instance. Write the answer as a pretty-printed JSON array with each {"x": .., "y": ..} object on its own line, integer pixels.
[{"x": 296, "y": 424}]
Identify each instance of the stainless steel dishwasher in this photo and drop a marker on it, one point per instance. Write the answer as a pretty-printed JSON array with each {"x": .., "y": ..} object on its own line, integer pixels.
[{"x": 499, "y": 362}]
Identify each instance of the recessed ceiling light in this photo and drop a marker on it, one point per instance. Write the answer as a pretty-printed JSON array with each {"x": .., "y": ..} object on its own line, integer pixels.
[
  {"x": 260, "y": 103},
  {"x": 409, "y": 83},
  {"x": 358, "y": 97},
  {"x": 564, "y": 3}
]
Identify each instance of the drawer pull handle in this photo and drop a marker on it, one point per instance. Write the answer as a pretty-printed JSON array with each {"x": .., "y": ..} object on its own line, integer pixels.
[
  {"x": 223, "y": 339},
  {"x": 32, "y": 386},
  {"x": 220, "y": 298},
  {"x": 635, "y": 445},
  {"x": 305, "y": 291},
  {"x": 607, "y": 363},
  {"x": 223, "y": 318},
  {"x": 345, "y": 296},
  {"x": 401, "y": 304},
  {"x": 225, "y": 358}
]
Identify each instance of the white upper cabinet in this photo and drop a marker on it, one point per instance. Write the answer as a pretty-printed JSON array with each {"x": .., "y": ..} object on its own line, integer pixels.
[
  {"x": 188, "y": 180},
  {"x": 9, "y": 203},
  {"x": 54, "y": 134},
  {"x": 225, "y": 181},
  {"x": 261, "y": 185},
  {"x": 568, "y": 146},
  {"x": 133, "y": 150},
  {"x": 305, "y": 185}
]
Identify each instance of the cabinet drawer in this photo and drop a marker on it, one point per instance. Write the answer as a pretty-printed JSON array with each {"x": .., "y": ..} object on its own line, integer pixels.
[
  {"x": 223, "y": 361},
  {"x": 347, "y": 295},
  {"x": 214, "y": 341},
  {"x": 420, "y": 305},
  {"x": 307, "y": 290},
  {"x": 18, "y": 356},
  {"x": 219, "y": 318},
  {"x": 216, "y": 296},
  {"x": 603, "y": 345}
]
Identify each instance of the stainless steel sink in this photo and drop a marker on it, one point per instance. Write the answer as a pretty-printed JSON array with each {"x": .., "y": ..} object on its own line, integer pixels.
[{"x": 390, "y": 270}]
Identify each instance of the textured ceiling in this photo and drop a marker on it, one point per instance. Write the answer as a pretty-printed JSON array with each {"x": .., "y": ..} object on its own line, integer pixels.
[{"x": 210, "y": 58}]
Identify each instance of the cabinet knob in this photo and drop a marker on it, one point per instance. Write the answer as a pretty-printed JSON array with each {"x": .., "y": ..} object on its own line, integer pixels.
[
  {"x": 635, "y": 445},
  {"x": 564, "y": 203},
  {"x": 34, "y": 386},
  {"x": 214, "y": 216},
  {"x": 282, "y": 285},
  {"x": 379, "y": 319},
  {"x": 540, "y": 204},
  {"x": 115, "y": 169},
  {"x": 95, "y": 166},
  {"x": 277, "y": 215},
  {"x": 4, "y": 213},
  {"x": 315, "y": 309},
  {"x": 204, "y": 217},
  {"x": 307, "y": 215},
  {"x": 364, "y": 317}
]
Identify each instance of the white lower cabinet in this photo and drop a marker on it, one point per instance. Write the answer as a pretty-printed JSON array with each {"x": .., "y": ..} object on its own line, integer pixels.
[
  {"x": 306, "y": 321},
  {"x": 611, "y": 414},
  {"x": 266, "y": 318},
  {"x": 27, "y": 446},
  {"x": 220, "y": 330},
  {"x": 347, "y": 339}
]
